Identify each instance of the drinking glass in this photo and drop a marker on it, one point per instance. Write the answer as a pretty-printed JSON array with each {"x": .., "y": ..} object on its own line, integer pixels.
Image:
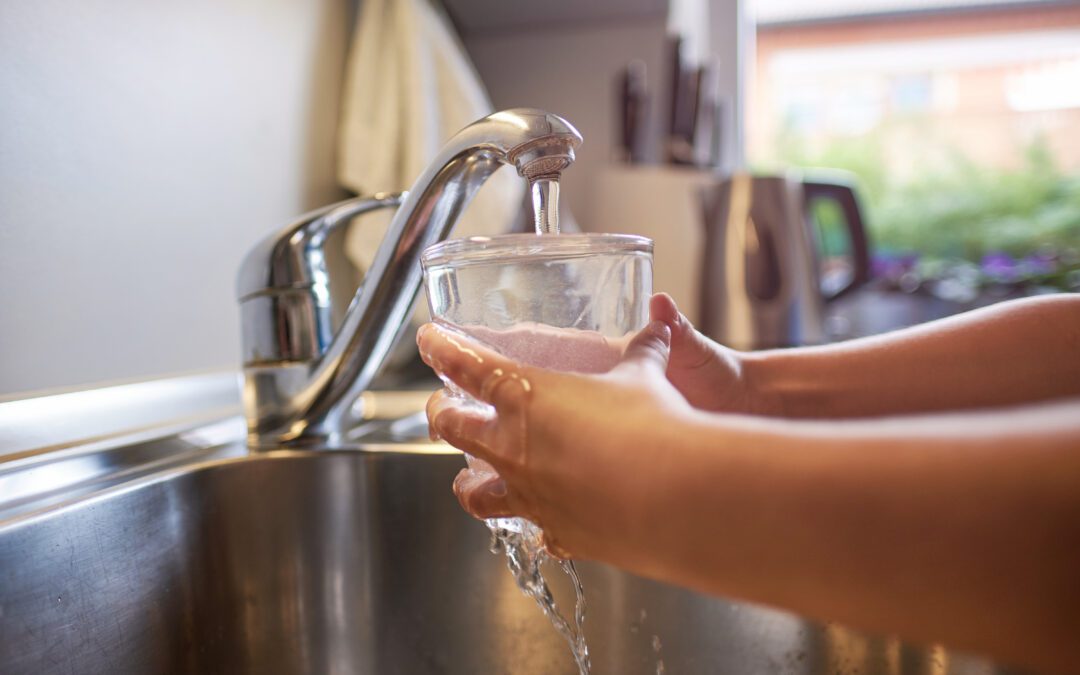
[
  {"x": 560, "y": 301},
  {"x": 554, "y": 301}
]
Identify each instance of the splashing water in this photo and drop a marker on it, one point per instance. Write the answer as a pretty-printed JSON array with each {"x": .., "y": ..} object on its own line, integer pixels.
[
  {"x": 522, "y": 541},
  {"x": 657, "y": 647}
]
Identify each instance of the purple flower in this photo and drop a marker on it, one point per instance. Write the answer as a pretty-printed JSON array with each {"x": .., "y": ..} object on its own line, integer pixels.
[
  {"x": 1000, "y": 266},
  {"x": 892, "y": 266}
]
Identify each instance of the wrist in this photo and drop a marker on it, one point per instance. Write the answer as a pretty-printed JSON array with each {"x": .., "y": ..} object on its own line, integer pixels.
[{"x": 761, "y": 380}]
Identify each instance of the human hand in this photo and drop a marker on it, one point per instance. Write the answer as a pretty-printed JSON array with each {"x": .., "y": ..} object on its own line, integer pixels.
[
  {"x": 577, "y": 454},
  {"x": 708, "y": 375}
]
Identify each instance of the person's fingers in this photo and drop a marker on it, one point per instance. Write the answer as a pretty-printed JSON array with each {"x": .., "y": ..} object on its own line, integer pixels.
[
  {"x": 689, "y": 348},
  {"x": 482, "y": 494},
  {"x": 662, "y": 308},
  {"x": 481, "y": 372},
  {"x": 649, "y": 348},
  {"x": 461, "y": 423},
  {"x": 455, "y": 356},
  {"x": 477, "y": 464},
  {"x": 433, "y": 403},
  {"x": 553, "y": 547}
]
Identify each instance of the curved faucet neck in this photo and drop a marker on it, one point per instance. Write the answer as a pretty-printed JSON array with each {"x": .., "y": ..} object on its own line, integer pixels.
[{"x": 315, "y": 403}]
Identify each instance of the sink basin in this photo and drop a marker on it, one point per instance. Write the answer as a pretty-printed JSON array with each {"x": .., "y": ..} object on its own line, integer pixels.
[{"x": 351, "y": 561}]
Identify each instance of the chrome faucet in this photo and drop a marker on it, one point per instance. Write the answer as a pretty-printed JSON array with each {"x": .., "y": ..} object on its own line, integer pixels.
[{"x": 303, "y": 373}]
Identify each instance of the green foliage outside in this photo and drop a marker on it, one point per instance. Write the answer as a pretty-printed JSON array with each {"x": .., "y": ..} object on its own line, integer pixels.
[{"x": 957, "y": 211}]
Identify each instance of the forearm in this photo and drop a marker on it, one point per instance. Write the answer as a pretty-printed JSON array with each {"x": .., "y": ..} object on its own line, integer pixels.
[
  {"x": 1017, "y": 352},
  {"x": 959, "y": 529}
]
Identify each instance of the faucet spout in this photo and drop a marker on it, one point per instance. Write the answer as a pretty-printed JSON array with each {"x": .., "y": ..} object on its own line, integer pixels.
[{"x": 311, "y": 401}]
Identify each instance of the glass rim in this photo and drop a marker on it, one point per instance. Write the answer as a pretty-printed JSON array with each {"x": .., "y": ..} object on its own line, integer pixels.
[{"x": 501, "y": 247}]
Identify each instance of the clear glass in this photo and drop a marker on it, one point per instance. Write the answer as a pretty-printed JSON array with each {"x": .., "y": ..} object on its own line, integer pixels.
[
  {"x": 561, "y": 301},
  {"x": 564, "y": 302}
]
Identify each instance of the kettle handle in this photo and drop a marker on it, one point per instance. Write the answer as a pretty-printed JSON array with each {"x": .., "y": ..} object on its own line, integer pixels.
[{"x": 844, "y": 195}]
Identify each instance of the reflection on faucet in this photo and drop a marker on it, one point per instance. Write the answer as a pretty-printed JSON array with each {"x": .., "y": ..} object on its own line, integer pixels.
[{"x": 302, "y": 373}]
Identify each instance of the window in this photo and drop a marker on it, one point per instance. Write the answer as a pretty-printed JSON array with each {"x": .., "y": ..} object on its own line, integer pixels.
[{"x": 961, "y": 121}]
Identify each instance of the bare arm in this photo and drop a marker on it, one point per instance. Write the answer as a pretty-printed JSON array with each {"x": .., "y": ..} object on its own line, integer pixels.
[
  {"x": 961, "y": 528},
  {"x": 1016, "y": 352}
]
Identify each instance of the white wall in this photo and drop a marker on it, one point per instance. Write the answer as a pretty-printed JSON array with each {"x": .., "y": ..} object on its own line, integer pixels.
[
  {"x": 144, "y": 146},
  {"x": 731, "y": 34},
  {"x": 571, "y": 67},
  {"x": 572, "y": 71}
]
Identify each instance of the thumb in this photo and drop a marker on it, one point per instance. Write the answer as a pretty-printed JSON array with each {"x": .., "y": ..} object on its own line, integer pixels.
[
  {"x": 650, "y": 348},
  {"x": 689, "y": 348}
]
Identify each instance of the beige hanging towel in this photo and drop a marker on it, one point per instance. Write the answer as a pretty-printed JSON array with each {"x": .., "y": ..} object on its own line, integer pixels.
[{"x": 409, "y": 86}]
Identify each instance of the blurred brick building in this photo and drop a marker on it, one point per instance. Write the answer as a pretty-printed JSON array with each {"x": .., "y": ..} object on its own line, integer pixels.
[{"x": 922, "y": 79}]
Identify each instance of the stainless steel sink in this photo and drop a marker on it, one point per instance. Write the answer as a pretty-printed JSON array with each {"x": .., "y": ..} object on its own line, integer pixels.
[{"x": 208, "y": 559}]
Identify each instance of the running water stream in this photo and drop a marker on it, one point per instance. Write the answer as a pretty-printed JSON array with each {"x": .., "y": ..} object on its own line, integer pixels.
[{"x": 521, "y": 540}]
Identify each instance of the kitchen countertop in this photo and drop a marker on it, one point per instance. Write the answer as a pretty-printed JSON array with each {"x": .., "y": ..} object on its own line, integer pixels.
[{"x": 872, "y": 311}]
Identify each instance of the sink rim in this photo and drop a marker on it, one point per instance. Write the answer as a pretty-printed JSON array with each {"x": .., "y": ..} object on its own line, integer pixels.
[
  {"x": 191, "y": 449},
  {"x": 65, "y": 448}
]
